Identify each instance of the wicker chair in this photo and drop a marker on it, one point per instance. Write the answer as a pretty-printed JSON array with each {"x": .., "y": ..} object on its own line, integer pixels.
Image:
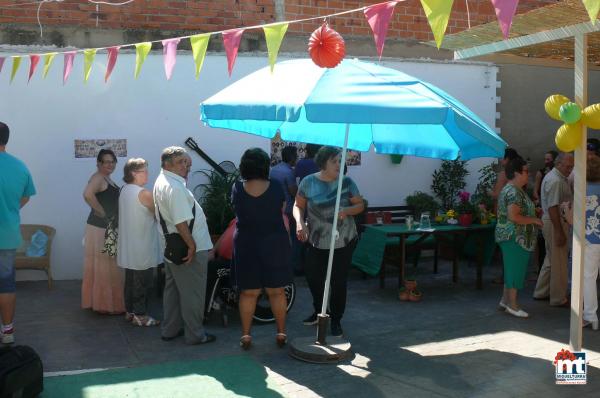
[{"x": 41, "y": 263}]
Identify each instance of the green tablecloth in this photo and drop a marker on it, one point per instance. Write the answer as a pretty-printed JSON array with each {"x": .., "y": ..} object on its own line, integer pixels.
[{"x": 371, "y": 246}]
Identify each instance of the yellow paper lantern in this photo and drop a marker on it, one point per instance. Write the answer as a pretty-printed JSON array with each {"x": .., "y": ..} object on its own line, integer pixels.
[
  {"x": 568, "y": 137},
  {"x": 591, "y": 116},
  {"x": 553, "y": 104}
]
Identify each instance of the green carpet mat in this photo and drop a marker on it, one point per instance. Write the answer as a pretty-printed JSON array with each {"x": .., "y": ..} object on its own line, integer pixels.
[{"x": 236, "y": 376}]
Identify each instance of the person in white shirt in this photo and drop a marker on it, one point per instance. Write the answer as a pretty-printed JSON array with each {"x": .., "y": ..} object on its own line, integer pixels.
[
  {"x": 138, "y": 250},
  {"x": 185, "y": 284}
]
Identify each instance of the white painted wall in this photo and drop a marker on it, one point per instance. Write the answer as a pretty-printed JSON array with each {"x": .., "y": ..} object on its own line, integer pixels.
[{"x": 152, "y": 113}]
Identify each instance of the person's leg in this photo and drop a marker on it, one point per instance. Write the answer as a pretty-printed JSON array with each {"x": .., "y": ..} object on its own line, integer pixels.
[
  {"x": 516, "y": 262},
  {"x": 128, "y": 292},
  {"x": 247, "y": 307},
  {"x": 191, "y": 284},
  {"x": 278, "y": 303},
  {"x": 172, "y": 320},
  {"x": 141, "y": 280},
  {"x": 559, "y": 272},
  {"x": 542, "y": 287},
  {"x": 8, "y": 296},
  {"x": 315, "y": 270},
  {"x": 339, "y": 281},
  {"x": 511, "y": 293},
  {"x": 590, "y": 274}
]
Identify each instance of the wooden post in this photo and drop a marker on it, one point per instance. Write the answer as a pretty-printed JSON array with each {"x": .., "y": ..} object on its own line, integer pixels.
[{"x": 581, "y": 97}]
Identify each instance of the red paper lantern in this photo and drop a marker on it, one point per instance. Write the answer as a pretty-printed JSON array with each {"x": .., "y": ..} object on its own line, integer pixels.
[{"x": 326, "y": 47}]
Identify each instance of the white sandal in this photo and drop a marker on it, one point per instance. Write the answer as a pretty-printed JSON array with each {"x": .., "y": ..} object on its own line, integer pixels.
[{"x": 144, "y": 320}]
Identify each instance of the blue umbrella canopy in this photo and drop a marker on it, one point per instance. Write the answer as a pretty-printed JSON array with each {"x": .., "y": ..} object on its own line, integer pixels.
[{"x": 395, "y": 112}]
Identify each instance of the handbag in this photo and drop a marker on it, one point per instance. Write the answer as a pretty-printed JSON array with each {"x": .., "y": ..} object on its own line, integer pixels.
[
  {"x": 176, "y": 249},
  {"x": 111, "y": 236}
]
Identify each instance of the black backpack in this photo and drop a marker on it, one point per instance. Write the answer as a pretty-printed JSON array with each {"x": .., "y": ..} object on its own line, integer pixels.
[{"x": 21, "y": 372}]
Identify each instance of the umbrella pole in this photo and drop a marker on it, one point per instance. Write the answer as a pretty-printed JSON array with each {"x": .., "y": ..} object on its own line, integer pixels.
[{"x": 323, "y": 317}]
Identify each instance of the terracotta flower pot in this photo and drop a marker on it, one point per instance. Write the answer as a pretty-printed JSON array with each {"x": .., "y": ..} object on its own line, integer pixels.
[
  {"x": 403, "y": 295},
  {"x": 414, "y": 295},
  {"x": 410, "y": 284},
  {"x": 465, "y": 219}
]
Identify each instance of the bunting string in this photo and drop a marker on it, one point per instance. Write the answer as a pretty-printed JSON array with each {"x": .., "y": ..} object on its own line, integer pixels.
[{"x": 378, "y": 17}]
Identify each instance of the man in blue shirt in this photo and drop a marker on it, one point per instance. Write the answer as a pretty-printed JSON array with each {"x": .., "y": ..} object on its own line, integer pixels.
[
  {"x": 283, "y": 173},
  {"x": 16, "y": 186}
]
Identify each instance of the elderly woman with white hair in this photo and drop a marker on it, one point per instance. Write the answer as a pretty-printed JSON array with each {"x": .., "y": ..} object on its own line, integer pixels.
[{"x": 138, "y": 249}]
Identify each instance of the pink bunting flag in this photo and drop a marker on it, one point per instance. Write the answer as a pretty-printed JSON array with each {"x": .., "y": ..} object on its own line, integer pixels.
[
  {"x": 169, "y": 55},
  {"x": 378, "y": 16},
  {"x": 33, "y": 63},
  {"x": 505, "y": 11},
  {"x": 113, "y": 53},
  {"x": 1, "y": 63},
  {"x": 231, "y": 40},
  {"x": 69, "y": 57}
]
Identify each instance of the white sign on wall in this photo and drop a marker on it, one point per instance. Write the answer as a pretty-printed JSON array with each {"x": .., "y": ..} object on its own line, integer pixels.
[{"x": 90, "y": 148}]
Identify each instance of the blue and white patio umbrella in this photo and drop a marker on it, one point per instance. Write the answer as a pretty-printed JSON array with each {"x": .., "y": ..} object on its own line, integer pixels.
[{"x": 355, "y": 105}]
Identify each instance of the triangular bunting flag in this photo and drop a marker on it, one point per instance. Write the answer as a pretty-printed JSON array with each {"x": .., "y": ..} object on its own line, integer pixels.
[
  {"x": 88, "y": 60},
  {"x": 170, "y": 55},
  {"x": 1, "y": 63},
  {"x": 15, "y": 67},
  {"x": 113, "y": 53},
  {"x": 34, "y": 59},
  {"x": 505, "y": 11},
  {"x": 69, "y": 58},
  {"x": 199, "y": 45},
  {"x": 274, "y": 36},
  {"x": 592, "y": 7},
  {"x": 231, "y": 40},
  {"x": 48, "y": 59},
  {"x": 438, "y": 14},
  {"x": 141, "y": 51},
  {"x": 378, "y": 16}
]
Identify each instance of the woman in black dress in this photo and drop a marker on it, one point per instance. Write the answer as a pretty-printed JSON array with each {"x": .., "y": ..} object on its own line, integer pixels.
[{"x": 261, "y": 246}]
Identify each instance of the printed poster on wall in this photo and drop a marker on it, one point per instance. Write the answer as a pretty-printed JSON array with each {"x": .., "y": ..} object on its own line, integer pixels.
[
  {"x": 90, "y": 148},
  {"x": 353, "y": 158}
]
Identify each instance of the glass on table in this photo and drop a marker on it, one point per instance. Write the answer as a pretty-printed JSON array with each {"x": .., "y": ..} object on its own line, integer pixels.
[
  {"x": 409, "y": 222},
  {"x": 425, "y": 222}
]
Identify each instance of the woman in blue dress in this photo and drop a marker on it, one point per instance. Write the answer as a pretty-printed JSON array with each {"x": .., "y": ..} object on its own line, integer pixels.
[{"x": 261, "y": 245}]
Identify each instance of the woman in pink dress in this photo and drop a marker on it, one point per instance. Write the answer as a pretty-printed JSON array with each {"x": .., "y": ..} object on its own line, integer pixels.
[{"x": 102, "y": 287}]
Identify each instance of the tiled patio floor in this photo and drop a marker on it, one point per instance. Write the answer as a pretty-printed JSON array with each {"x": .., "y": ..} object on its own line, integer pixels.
[{"x": 452, "y": 344}]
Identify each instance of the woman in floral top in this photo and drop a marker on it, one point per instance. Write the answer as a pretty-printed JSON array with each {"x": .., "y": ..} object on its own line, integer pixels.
[{"x": 515, "y": 233}]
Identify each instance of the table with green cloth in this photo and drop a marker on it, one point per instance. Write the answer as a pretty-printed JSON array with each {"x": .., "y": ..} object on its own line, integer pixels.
[{"x": 370, "y": 249}]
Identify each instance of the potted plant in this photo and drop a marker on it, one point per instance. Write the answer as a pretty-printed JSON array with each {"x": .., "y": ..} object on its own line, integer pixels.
[
  {"x": 485, "y": 185},
  {"x": 214, "y": 195},
  {"x": 448, "y": 181},
  {"x": 422, "y": 202},
  {"x": 465, "y": 209}
]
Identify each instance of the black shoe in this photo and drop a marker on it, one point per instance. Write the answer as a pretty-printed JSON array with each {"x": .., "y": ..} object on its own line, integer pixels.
[
  {"x": 179, "y": 334},
  {"x": 311, "y": 320},
  {"x": 336, "y": 329}
]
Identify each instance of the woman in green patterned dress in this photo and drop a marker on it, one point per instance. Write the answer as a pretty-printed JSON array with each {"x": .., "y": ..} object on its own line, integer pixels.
[{"x": 515, "y": 233}]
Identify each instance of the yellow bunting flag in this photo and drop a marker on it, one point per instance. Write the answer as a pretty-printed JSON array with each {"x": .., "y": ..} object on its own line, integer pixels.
[
  {"x": 15, "y": 67},
  {"x": 592, "y": 7},
  {"x": 199, "y": 45},
  {"x": 141, "y": 51},
  {"x": 88, "y": 60},
  {"x": 438, "y": 14},
  {"x": 274, "y": 35},
  {"x": 48, "y": 58}
]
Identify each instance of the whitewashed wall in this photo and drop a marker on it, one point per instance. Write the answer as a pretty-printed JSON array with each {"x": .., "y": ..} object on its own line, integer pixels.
[{"x": 152, "y": 113}]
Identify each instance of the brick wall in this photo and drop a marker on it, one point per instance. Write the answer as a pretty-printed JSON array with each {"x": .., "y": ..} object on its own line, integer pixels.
[{"x": 409, "y": 21}]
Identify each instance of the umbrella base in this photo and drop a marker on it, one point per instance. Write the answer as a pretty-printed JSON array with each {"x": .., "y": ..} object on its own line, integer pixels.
[{"x": 308, "y": 350}]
